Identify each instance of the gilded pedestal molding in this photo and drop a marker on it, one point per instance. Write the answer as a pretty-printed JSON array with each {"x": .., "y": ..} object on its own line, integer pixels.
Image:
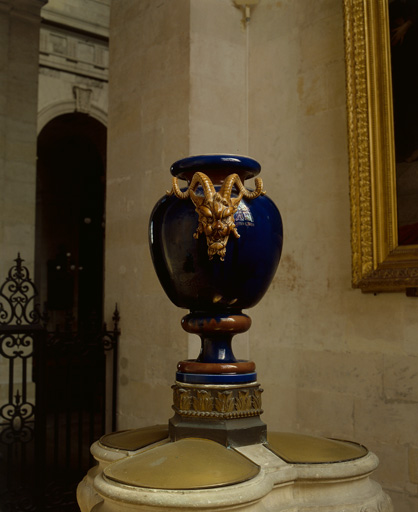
[{"x": 220, "y": 402}]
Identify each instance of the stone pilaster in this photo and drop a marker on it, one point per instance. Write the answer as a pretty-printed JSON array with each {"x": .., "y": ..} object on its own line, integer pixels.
[{"x": 19, "y": 47}]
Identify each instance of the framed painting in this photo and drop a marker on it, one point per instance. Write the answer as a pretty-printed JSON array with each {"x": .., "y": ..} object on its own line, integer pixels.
[{"x": 381, "y": 42}]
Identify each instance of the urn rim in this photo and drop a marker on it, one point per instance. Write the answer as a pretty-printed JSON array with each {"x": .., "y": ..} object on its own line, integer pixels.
[{"x": 217, "y": 166}]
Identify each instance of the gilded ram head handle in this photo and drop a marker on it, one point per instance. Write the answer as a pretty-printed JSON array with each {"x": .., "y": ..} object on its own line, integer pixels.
[{"x": 216, "y": 209}]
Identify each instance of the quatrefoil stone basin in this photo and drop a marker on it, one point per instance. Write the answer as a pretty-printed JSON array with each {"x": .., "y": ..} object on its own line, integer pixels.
[{"x": 215, "y": 244}]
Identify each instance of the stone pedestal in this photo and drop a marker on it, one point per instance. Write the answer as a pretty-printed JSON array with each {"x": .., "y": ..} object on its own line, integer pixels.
[
  {"x": 216, "y": 453},
  {"x": 143, "y": 470}
]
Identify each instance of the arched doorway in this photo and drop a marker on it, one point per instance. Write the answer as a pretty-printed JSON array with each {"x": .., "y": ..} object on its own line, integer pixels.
[
  {"x": 70, "y": 218},
  {"x": 69, "y": 258}
]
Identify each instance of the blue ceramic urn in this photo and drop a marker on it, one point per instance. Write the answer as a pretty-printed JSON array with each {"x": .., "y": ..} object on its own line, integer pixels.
[{"x": 215, "y": 244}]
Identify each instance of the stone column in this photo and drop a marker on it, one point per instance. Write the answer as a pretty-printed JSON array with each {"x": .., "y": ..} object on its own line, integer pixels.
[
  {"x": 19, "y": 55},
  {"x": 148, "y": 129},
  {"x": 169, "y": 97}
]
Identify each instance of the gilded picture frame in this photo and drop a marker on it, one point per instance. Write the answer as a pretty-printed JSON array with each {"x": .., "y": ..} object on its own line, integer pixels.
[{"x": 379, "y": 263}]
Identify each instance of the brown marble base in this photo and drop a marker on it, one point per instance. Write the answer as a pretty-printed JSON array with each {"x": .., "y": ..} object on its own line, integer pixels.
[
  {"x": 234, "y": 324},
  {"x": 193, "y": 366}
]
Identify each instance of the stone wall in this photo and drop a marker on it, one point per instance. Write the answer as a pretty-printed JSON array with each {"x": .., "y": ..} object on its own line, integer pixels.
[
  {"x": 344, "y": 362},
  {"x": 74, "y": 59},
  {"x": 191, "y": 78},
  {"x": 147, "y": 131},
  {"x": 19, "y": 46}
]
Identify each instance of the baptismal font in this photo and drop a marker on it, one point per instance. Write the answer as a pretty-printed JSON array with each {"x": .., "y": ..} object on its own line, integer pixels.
[{"x": 216, "y": 246}]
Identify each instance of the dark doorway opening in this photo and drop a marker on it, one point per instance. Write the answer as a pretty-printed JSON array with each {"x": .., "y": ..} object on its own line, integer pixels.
[
  {"x": 70, "y": 408},
  {"x": 70, "y": 219}
]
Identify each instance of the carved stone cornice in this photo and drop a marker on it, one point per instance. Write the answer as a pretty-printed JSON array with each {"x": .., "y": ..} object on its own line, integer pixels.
[{"x": 29, "y": 9}]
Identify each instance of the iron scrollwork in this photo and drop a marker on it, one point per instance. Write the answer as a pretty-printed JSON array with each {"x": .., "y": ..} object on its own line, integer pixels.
[
  {"x": 19, "y": 323},
  {"x": 33, "y": 355},
  {"x": 110, "y": 338},
  {"x": 17, "y": 297},
  {"x": 17, "y": 418}
]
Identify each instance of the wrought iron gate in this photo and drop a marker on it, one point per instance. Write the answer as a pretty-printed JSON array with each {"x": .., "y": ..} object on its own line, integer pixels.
[{"x": 53, "y": 390}]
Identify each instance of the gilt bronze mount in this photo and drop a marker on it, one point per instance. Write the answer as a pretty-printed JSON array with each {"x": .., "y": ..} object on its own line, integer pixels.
[{"x": 216, "y": 210}]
